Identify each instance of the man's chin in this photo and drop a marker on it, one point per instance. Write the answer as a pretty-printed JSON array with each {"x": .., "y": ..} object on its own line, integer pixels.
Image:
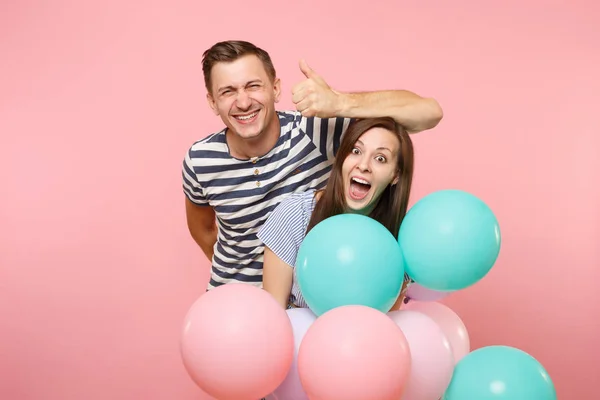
[
  {"x": 249, "y": 134},
  {"x": 244, "y": 131},
  {"x": 247, "y": 129}
]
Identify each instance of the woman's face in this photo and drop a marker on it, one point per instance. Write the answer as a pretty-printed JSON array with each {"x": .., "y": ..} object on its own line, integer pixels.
[{"x": 369, "y": 168}]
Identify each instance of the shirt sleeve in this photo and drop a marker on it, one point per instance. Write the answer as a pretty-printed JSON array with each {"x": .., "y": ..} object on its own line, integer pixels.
[
  {"x": 191, "y": 187},
  {"x": 284, "y": 230},
  {"x": 326, "y": 133}
]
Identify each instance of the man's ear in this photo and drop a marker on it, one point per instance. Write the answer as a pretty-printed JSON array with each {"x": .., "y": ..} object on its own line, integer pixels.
[
  {"x": 277, "y": 89},
  {"x": 211, "y": 103}
]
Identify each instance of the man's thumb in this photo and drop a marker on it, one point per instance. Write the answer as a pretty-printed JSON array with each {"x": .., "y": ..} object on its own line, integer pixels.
[{"x": 306, "y": 70}]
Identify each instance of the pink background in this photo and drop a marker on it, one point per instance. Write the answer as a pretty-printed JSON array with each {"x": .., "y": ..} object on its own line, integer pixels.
[{"x": 99, "y": 101}]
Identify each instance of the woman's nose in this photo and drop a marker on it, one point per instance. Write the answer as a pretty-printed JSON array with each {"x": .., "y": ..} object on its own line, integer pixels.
[{"x": 363, "y": 164}]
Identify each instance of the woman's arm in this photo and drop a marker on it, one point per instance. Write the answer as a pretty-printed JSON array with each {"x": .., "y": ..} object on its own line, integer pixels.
[
  {"x": 400, "y": 298},
  {"x": 277, "y": 278}
]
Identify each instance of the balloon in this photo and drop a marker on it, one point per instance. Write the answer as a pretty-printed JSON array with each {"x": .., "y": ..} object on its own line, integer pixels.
[
  {"x": 432, "y": 357},
  {"x": 450, "y": 240},
  {"x": 354, "y": 353},
  {"x": 500, "y": 373},
  {"x": 291, "y": 388},
  {"x": 349, "y": 259},
  {"x": 420, "y": 293},
  {"x": 237, "y": 342},
  {"x": 451, "y": 324}
]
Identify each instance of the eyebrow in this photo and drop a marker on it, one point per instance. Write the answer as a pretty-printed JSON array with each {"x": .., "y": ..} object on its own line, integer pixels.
[
  {"x": 245, "y": 84},
  {"x": 379, "y": 148}
]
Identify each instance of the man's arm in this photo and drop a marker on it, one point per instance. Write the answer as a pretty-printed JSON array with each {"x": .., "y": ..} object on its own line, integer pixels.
[
  {"x": 202, "y": 227},
  {"x": 314, "y": 97},
  {"x": 413, "y": 112}
]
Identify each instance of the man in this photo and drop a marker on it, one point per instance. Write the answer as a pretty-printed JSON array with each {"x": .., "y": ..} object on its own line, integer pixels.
[{"x": 234, "y": 178}]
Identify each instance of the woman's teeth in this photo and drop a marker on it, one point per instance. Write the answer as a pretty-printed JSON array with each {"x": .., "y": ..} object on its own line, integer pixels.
[{"x": 357, "y": 180}]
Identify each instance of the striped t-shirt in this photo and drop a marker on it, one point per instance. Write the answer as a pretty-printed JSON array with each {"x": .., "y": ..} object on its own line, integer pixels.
[
  {"x": 243, "y": 193},
  {"x": 284, "y": 232}
]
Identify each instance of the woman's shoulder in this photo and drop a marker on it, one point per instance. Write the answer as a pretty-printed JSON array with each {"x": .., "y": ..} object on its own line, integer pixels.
[
  {"x": 298, "y": 199},
  {"x": 296, "y": 207},
  {"x": 292, "y": 213}
]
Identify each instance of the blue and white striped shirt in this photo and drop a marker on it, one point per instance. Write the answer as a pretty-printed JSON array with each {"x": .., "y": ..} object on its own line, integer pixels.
[
  {"x": 243, "y": 193},
  {"x": 284, "y": 232}
]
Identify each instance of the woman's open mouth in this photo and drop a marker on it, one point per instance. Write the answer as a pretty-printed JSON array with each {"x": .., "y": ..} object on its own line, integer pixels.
[{"x": 359, "y": 188}]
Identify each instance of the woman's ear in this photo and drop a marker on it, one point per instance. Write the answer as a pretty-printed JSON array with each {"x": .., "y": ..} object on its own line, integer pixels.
[{"x": 396, "y": 178}]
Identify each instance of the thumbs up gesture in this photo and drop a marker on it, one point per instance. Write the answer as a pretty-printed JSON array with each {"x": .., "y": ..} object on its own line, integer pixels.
[{"x": 313, "y": 96}]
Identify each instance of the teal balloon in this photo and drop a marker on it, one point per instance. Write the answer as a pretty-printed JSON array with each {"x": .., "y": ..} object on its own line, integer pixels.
[
  {"x": 349, "y": 259},
  {"x": 500, "y": 373},
  {"x": 450, "y": 240}
]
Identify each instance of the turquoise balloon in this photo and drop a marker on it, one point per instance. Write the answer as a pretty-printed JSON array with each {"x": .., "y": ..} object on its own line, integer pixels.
[
  {"x": 349, "y": 259},
  {"x": 500, "y": 373},
  {"x": 450, "y": 240}
]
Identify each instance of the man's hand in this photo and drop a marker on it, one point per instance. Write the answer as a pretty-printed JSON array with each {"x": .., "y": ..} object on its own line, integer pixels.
[{"x": 313, "y": 97}]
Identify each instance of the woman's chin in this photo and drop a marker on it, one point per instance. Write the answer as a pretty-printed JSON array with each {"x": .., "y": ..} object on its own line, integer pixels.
[{"x": 357, "y": 206}]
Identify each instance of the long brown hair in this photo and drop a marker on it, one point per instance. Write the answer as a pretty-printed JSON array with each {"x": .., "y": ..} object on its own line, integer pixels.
[{"x": 393, "y": 202}]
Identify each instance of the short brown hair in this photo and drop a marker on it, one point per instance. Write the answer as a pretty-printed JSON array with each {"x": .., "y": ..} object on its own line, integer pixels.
[{"x": 229, "y": 51}]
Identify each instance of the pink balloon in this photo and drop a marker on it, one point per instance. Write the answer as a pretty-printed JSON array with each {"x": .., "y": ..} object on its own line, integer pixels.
[
  {"x": 420, "y": 293},
  {"x": 291, "y": 388},
  {"x": 453, "y": 327},
  {"x": 354, "y": 352},
  {"x": 431, "y": 352},
  {"x": 237, "y": 342}
]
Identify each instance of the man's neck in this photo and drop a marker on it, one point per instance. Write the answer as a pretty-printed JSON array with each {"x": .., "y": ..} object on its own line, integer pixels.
[{"x": 257, "y": 147}]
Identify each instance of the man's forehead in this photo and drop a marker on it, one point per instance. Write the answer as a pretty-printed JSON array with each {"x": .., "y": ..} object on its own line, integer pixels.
[
  {"x": 238, "y": 73},
  {"x": 236, "y": 83}
]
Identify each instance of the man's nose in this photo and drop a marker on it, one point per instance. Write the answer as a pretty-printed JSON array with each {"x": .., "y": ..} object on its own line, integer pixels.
[{"x": 243, "y": 101}]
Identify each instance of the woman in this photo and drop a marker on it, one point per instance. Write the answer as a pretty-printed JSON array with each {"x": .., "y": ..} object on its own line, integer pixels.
[{"x": 371, "y": 175}]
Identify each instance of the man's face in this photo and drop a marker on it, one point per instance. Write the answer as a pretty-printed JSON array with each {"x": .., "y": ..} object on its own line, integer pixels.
[{"x": 243, "y": 96}]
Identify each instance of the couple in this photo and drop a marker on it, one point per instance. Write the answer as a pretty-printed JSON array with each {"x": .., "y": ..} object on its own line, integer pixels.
[{"x": 254, "y": 188}]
